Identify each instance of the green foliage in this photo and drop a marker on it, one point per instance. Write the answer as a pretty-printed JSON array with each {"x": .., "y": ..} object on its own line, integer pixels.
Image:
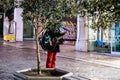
[
  {"x": 104, "y": 12},
  {"x": 50, "y": 11},
  {"x": 7, "y": 4}
]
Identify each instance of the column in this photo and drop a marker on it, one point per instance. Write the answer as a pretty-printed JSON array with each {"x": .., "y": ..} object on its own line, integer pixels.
[
  {"x": 19, "y": 23},
  {"x": 82, "y": 35}
]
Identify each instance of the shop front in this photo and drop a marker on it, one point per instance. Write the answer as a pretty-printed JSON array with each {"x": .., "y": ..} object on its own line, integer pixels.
[
  {"x": 69, "y": 26},
  {"x": 111, "y": 38},
  {"x": 12, "y": 28},
  {"x": 115, "y": 40}
]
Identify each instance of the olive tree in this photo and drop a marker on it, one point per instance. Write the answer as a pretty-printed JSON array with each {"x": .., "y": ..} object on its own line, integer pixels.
[{"x": 50, "y": 12}]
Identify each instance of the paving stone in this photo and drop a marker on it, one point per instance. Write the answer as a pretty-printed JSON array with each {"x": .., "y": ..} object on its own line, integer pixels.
[
  {"x": 6, "y": 76},
  {"x": 21, "y": 55}
]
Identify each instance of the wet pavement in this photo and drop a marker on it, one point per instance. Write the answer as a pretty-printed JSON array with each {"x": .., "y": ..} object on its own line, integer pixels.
[{"x": 16, "y": 56}]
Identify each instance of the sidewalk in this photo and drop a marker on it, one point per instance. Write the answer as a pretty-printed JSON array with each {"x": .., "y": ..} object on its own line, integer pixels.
[
  {"x": 92, "y": 65},
  {"x": 106, "y": 59},
  {"x": 68, "y": 51}
]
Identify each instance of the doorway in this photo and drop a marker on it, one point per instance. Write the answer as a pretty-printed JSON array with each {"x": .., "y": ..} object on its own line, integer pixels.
[
  {"x": 116, "y": 40},
  {"x": 1, "y": 25}
]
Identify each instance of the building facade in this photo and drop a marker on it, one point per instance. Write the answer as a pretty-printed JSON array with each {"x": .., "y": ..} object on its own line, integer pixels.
[{"x": 86, "y": 38}]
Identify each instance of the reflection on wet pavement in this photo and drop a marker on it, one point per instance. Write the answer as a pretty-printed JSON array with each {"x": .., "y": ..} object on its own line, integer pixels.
[{"x": 21, "y": 55}]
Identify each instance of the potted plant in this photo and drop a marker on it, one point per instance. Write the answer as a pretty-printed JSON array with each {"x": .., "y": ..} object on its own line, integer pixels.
[{"x": 42, "y": 15}]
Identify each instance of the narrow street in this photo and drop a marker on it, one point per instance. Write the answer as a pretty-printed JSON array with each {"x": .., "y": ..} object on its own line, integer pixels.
[{"x": 21, "y": 55}]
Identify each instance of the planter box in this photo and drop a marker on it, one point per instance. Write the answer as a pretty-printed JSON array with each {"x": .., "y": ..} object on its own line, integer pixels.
[{"x": 52, "y": 74}]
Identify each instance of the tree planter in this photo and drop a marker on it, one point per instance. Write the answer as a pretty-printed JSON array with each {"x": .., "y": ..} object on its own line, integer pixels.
[{"x": 47, "y": 74}]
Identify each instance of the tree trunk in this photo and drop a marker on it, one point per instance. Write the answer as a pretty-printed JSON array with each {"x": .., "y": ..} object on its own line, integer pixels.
[
  {"x": 86, "y": 32},
  {"x": 38, "y": 53},
  {"x": 38, "y": 31}
]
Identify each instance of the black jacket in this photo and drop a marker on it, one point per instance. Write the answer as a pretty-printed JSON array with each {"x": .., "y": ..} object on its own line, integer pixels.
[{"x": 55, "y": 40}]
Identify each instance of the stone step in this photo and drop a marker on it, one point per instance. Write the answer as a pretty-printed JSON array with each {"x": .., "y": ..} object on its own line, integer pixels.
[{"x": 75, "y": 78}]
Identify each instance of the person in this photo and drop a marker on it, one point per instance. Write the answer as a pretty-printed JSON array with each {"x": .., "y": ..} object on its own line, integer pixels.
[
  {"x": 51, "y": 53},
  {"x": 45, "y": 41}
]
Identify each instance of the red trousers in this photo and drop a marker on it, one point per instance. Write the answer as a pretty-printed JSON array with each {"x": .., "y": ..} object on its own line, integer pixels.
[{"x": 51, "y": 59}]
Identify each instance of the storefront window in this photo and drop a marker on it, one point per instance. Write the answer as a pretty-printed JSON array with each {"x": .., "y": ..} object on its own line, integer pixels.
[{"x": 116, "y": 38}]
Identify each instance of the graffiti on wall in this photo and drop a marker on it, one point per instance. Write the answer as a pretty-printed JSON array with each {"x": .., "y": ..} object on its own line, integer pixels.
[{"x": 69, "y": 26}]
